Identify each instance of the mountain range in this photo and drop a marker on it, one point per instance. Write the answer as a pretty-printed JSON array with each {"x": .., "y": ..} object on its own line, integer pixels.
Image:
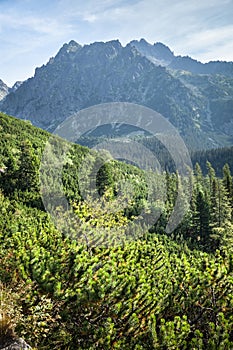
[{"x": 196, "y": 98}]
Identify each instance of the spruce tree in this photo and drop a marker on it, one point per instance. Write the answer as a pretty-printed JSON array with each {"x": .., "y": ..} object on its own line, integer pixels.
[
  {"x": 228, "y": 182},
  {"x": 202, "y": 214}
]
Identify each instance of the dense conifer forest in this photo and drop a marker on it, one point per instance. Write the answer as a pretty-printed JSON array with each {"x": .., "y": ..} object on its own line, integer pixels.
[{"x": 152, "y": 290}]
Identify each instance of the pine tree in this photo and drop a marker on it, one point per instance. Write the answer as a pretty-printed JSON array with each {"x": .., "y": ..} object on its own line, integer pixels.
[
  {"x": 211, "y": 176},
  {"x": 228, "y": 182},
  {"x": 220, "y": 205},
  {"x": 27, "y": 175},
  {"x": 202, "y": 214},
  {"x": 104, "y": 178},
  {"x": 8, "y": 177}
]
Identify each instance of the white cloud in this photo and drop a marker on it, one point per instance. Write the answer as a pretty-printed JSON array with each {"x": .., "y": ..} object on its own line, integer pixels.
[
  {"x": 31, "y": 23},
  {"x": 90, "y": 18},
  {"x": 212, "y": 37},
  {"x": 213, "y": 44}
]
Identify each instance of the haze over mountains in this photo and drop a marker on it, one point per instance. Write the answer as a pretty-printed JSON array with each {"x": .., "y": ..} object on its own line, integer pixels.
[{"x": 197, "y": 98}]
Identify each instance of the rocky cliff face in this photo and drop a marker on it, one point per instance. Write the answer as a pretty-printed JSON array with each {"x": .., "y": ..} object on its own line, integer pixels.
[
  {"x": 15, "y": 344},
  {"x": 82, "y": 76},
  {"x": 16, "y": 85},
  {"x": 3, "y": 89}
]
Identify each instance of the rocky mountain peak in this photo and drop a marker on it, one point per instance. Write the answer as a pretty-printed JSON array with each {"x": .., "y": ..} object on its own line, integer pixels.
[
  {"x": 109, "y": 49},
  {"x": 16, "y": 85},
  {"x": 73, "y": 46},
  {"x": 163, "y": 51},
  {"x": 69, "y": 49},
  {"x": 158, "y": 53},
  {"x": 4, "y": 89}
]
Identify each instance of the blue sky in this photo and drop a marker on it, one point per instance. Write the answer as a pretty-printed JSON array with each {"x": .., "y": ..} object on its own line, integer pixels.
[{"x": 33, "y": 31}]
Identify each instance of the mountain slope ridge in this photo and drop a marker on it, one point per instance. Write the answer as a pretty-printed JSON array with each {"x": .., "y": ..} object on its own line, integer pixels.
[{"x": 161, "y": 54}]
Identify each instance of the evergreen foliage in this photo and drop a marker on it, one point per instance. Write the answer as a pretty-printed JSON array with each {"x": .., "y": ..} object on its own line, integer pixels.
[{"x": 150, "y": 291}]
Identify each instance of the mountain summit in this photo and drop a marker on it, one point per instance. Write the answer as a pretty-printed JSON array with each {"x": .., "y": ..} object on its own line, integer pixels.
[
  {"x": 158, "y": 53},
  {"x": 190, "y": 94}
]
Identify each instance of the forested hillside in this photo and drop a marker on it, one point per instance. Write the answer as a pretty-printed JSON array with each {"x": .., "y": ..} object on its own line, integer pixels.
[
  {"x": 152, "y": 290},
  {"x": 218, "y": 157}
]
